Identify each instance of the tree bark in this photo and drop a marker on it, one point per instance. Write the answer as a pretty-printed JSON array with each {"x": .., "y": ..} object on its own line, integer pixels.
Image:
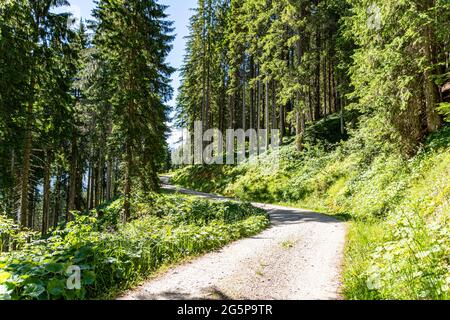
[
  {"x": 127, "y": 190},
  {"x": 91, "y": 196},
  {"x": 244, "y": 107},
  {"x": 46, "y": 199},
  {"x": 73, "y": 177},
  {"x": 11, "y": 203},
  {"x": 57, "y": 209},
  {"x": 434, "y": 121},
  {"x": 274, "y": 105},
  {"x": 23, "y": 210},
  {"x": 317, "y": 80},
  {"x": 267, "y": 114},
  {"x": 88, "y": 191},
  {"x": 109, "y": 178},
  {"x": 258, "y": 107}
]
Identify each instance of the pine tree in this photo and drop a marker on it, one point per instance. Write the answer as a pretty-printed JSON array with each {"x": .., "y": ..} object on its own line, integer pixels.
[{"x": 134, "y": 38}]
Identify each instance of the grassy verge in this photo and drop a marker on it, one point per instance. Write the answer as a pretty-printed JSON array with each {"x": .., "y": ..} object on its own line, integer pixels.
[
  {"x": 113, "y": 256},
  {"x": 399, "y": 233}
]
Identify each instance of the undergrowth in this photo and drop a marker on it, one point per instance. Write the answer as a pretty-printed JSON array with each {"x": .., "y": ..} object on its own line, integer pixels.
[
  {"x": 113, "y": 256},
  {"x": 399, "y": 231}
]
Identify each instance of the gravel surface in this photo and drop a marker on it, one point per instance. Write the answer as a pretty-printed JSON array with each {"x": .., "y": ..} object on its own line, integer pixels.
[{"x": 298, "y": 258}]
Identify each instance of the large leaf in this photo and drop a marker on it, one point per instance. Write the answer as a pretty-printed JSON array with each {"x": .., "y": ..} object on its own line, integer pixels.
[
  {"x": 33, "y": 290},
  {"x": 5, "y": 292},
  {"x": 88, "y": 277},
  {"x": 54, "y": 267},
  {"x": 56, "y": 287},
  {"x": 4, "y": 276}
]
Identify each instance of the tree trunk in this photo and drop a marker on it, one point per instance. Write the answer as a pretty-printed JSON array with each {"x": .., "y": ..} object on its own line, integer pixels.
[
  {"x": 342, "y": 117},
  {"x": 79, "y": 202},
  {"x": 11, "y": 203},
  {"x": 298, "y": 138},
  {"x": 282, "y": 123},
  {"x": 72, "y": 178},
  {"x": 91, "y": 196},
  {"x": 127, "y": 190},
  {"x": 88, "y": 191},
  {"x": 109, "y": 178},
  {"x": 244, "y": 107},
  {"x": 57, "y": 210},
  {"x": 434, "y": 120},
  {"x": 274, "y": 105},
  {"x": 32, "y": 206},
  {"x": 23, "y": 210},
  {"x": 266, "y": 115},
  {"x": 113, "y": 179},
  {"x": 325, "y": 87},
  {"x": 330, "y": 86},
  {"x": 99, "y": 181},
  {"x": 258, "y": 107},
  {"x": 317, "y": 84},
  {"x": 46, "y": 199},
  {"x": 252, "y": 97}
]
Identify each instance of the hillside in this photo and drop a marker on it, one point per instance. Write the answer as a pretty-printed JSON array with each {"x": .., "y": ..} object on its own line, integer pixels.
[{"x": 398, "y": 208}]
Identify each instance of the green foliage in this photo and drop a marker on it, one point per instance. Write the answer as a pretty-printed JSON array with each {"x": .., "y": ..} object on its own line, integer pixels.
[
  {"x": 205, "y": 178},
  {"x": 11, "y": 235},
  {"x": 399, "y": 231},
  {"x": 362, "y": 240},
  {"x": 444, "y": 109},
  {"x": 169, "y": 228},
  {"x": 133, "y": 39},
  {"x": 328, "y": 130},
  {"x": 413, "y": 262},
  {"x": 399, "y": 58}
]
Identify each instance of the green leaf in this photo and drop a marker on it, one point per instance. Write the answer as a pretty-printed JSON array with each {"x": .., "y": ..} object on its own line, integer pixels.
[
  {"x": 88, "y": 277},
  {"x": 33, "y": 290},
  {"x": 444, "y": 109},
  {"x": 15, "y": 279},
  {"x": 54, "y": 267},
  {"x": 4, "y": 276},
  {"x": 56, "y": 287}
]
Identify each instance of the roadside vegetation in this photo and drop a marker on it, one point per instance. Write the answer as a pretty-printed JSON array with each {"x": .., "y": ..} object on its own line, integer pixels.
[
  {"x": 113, "y": 256},
  {"x": 397, "y": 208}
]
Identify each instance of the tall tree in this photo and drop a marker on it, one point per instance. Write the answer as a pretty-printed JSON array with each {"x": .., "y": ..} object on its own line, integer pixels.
[{"x": 134, "y": 38}]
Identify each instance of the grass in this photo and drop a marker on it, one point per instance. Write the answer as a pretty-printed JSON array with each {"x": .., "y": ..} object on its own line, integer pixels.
[
  {"x": 363, "y": 238},
  {"x": 398, "y": 209}
]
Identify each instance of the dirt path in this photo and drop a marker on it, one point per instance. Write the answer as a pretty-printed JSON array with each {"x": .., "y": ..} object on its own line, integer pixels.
[{"x": 299, "y": 257}]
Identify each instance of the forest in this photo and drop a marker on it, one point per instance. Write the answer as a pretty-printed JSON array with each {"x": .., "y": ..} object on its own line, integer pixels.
[{"x": 358, "y": 89}]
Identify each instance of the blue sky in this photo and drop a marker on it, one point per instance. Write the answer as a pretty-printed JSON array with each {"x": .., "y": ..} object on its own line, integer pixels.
[{"x": 179, "y": 12}]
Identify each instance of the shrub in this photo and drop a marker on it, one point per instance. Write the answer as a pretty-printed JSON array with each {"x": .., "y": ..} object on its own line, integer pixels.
[{"x": 113, "y": 257}]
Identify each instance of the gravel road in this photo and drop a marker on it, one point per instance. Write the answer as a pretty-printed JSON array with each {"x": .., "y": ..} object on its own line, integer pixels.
[{"x": 298, "y": 258}]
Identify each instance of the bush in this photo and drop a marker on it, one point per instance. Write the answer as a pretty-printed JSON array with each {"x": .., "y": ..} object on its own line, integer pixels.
[{"x": 113, "y": 257}]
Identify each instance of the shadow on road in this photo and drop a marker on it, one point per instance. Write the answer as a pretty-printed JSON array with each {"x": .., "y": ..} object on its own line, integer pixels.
[
  {"x": 212, "y": 293},
  {"x": 278, "y": 215}
]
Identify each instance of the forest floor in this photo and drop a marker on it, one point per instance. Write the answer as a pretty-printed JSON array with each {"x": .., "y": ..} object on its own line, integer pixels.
[{"x": 299, "y": 257}]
